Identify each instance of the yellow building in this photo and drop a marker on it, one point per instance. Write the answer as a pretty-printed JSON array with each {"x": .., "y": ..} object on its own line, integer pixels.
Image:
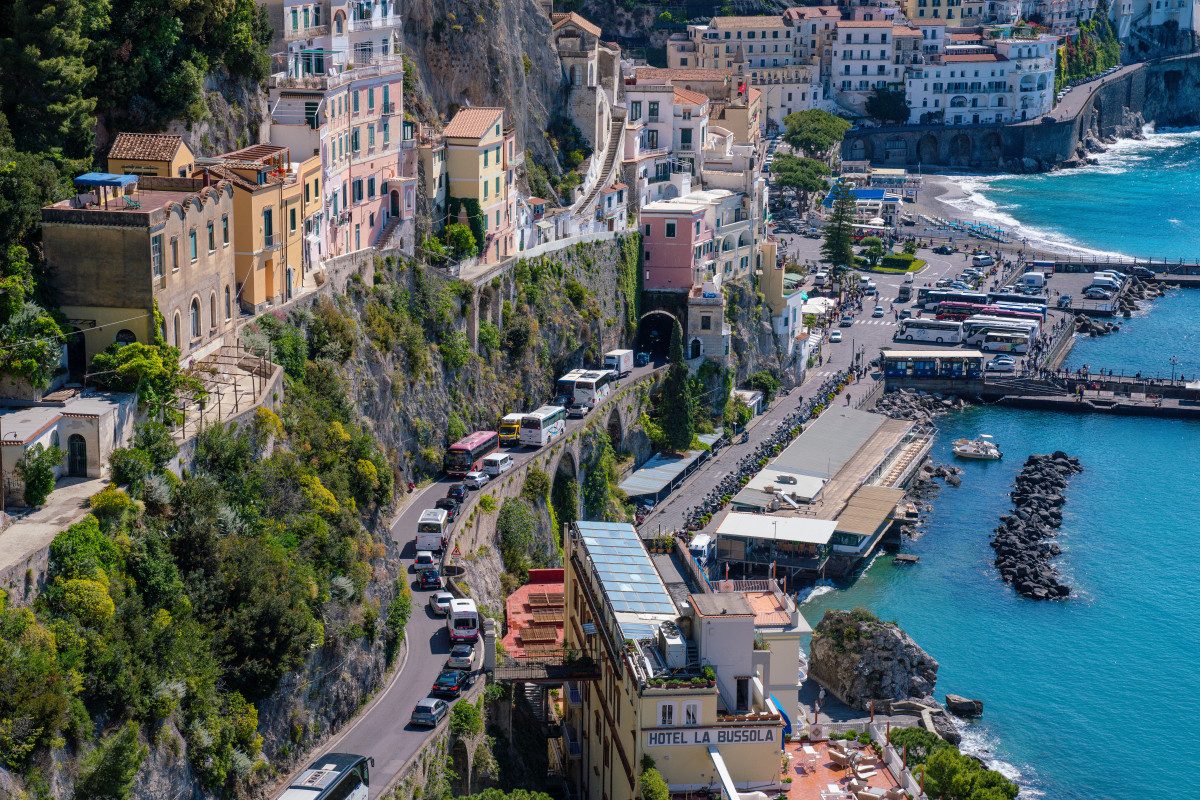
[
  {"x": 275, "y": 200},
  {"x": 480, "y": 158},
  {"x": 686, "y": 683},
  {"x": 157, "y": 154}
]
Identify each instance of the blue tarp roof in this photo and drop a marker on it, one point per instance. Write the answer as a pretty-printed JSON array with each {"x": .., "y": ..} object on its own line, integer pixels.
[
  {"x": 105, "y": 179},
  {"x": 857, "y": 194}
]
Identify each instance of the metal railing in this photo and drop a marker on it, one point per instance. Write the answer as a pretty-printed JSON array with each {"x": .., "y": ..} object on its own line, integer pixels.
[{"x": 308, "y": 32}]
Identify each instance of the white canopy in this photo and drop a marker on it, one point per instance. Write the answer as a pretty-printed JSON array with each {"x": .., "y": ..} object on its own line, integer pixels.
[{"x": 801, "y": 530}]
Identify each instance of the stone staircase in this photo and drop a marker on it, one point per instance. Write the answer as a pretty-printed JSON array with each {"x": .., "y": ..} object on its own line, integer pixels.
[
  {"x": 616, "y": 133},
  {"x": 536, "y": 697},
  {"x": 1028, "y": 387}
]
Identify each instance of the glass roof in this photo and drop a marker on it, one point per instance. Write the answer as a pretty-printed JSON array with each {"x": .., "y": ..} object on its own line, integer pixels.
[{"x": 624, "y": 569}]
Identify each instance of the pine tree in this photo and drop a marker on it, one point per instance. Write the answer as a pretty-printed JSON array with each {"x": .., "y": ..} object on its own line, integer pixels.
[
  {"x": 677, "y": 406},
  {"x": 838, "y": 247}
]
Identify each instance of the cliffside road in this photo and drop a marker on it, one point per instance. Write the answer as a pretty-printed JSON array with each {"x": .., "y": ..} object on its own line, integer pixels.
[
  {"x": 867, "y": 335},
  {"x": 1073, "y": 100},
  {"x": 382, "y": 730}
]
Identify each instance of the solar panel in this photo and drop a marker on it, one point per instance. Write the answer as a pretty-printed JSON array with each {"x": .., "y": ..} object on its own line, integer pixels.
[{"x": 623, "y": 567}]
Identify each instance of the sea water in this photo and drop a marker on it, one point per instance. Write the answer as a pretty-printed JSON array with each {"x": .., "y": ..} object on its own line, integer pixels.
[
  {"x": 1141, "y": 199},
  {"x": 1095, "y": 697}
]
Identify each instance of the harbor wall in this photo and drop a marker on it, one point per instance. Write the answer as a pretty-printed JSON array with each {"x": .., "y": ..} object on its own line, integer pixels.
[{"x": 1165, "y": 92}]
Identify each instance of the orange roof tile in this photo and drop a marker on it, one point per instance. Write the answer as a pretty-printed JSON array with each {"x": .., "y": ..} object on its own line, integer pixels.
[
  {"x": 812, "y": 12},
  {"x": 472, "y": 123},
  {"x": 760, "y": 21},
  {"x": 560, "y": 20},
  {"x": 929, "y": 23},
  {"x": 905, "y": 32},
  {"x": 145, "y": 146},
  {"x": 689, "y": 97}
]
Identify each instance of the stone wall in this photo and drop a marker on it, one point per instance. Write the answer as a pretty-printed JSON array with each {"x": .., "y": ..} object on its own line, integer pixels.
[{"x": 1164, "y": 92}]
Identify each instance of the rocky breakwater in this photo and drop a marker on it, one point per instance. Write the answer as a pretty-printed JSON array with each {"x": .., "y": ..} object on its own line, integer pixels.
[
  {"x": 1024, "y": 539},
  {"x": 917, "y": 405}
]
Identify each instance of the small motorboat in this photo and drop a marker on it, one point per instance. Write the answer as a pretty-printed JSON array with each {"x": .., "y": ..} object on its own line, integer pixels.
[{"x": 981, "y": 448}]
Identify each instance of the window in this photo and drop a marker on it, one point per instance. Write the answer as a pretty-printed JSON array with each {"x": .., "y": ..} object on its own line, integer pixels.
[
  {"x": 706, "y": 322},
  {"x": 174, "y": 254},
  {"x": 212, "y": 310},
  {"x": 497, "y": 186},
  {"x": 292, "y": 220},
  {"x": 357, "y": 186},
  {"x": 370, "y": 137},
  {"x": 485, "y": 190},
  {"x": 669, "y": 230},
  {"x": 192, "y": 244},
  {"x": 691, "y": 713},
  {"x": 486, "y": 155},
  {"x": 224, "y": 229},
  {"x": 212, "y": 237},
  {"x": 156, "y": 255},
  {"x": 635, "y": 110},
  {"x": 354, "y": 102},
  {"x": 228, "y": 304},
  {"x": 371, "y": 187},
  {"x": 652, "y": 110},
  {"x": 370, "y": 99},
  {"x": 268, "y": 223},
  {"x": 195, "y": 318},
  {"x": 354, "y": 139},
  {"x": 647, "y": 229},
  {"x": 666, "y": 714},
  {"x": 307, "y": 195}
]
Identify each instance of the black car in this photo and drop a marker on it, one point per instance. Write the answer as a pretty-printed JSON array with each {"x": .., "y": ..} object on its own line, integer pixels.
[
  {"x": 451, "y": 683},
  {"x": 450, "y": 505},
  {"x": 1142, "y": 272},
  {"x": 429, "y": 579},
  {"x": 458, "y": 492},
  {"x": 943, "y": 249}
]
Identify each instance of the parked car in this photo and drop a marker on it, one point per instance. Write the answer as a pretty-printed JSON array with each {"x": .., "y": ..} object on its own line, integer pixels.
[
  {"x": 429, "y": 579},
  {"x": 457, "y": 492},
  {"x": 996, "y": 365},
  {"x": 429, "y": 712},
  {"x": 943, "y": 249},
  {"x": 1142, "y": 272},
  {"x": 982, "y": 260},
  {"x": 451, "y": 683},
  {"x": 906, "y": 314},
  {"x": 424, "y": 560},
  {"x": 1064, "y": 301},
  {"x": 846, "y": 321},
  {"x": 1096, "y": 293},
  {"x": 578, "y": 410},
  {"x": 878, "y": 312},
  {"x": 641, "y": 359},
  {"x": 462, "y": 656},
  {"x": 835, "y": 336},
  {"x": 450, "y": 506},
  {"x": 475, "y": 480},
  {"x": 439, "y": 603}
]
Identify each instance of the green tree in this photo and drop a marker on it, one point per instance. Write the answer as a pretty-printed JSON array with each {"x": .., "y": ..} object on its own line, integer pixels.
[
  {"x": 460, "y": 240},
  {"x": 108, "y": 771},
  {"x": 653, "y": 786},
  {"x": 814, "y": 132},
  {"x": 676, "y": 406},
  {"x": 801, "y": 176},
  {"x": 765, "y": 382},
  {"x": 838, "y": 247},
  {"x": 873, "y": 250},
  {"x": 910, "y": 247},
  {"x": 36, "y": 469},
  {"x": 34, "y": 689},
  {"x": 888, "y": 105},
  {"x": 516, "y": 527},
  {"x": 917, "y": 743},
  {"x": 466, "y": 720},
  {"x": 28, "y": 181},
  {"x": 150, "y": 370},
  {"x": 31, "y": 345}
]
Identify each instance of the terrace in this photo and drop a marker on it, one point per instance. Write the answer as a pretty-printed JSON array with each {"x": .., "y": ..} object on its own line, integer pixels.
[{"x": 823, "y": 770}]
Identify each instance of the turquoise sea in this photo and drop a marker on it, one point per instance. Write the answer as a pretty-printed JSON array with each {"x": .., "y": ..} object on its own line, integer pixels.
[{"x": 1096, "y": 698}]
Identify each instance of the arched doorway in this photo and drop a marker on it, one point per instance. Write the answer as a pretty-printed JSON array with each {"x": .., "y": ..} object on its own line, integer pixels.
[
  {"x": 960, "y": 150},
  {"x": 696, "y": 349},
  {"x": 126, "y": 336},
  {"x": 76, "y": 456},
  {"x": 395, "y": 209},
  {"x": 616, "y": 433},
  {"x": 196, "y": 327},
  {"x": 654, "y": 333},
  {"x": 178, "y": 338},
  {"x": 288, "y": 288},
  {"x": 927, "y": 149},
  {"x": 76, "y": 354}
]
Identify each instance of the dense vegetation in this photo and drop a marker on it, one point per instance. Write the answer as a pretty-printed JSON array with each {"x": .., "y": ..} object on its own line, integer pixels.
[
  {"x": 946, "y": 773},
  {"x": 1094, "y": 50}
]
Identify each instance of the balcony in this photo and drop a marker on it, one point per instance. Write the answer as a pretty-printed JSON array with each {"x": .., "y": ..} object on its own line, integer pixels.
[
  {"x": 571, "y": 739},
  {"x": 371, "y": 23},
  {"x": 312, "y": 31},
  {"x": 573, "y": 694},
  {"x": 272, "y": 241}
]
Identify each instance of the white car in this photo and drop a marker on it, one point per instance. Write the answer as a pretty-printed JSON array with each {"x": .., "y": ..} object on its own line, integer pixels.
[
  {"x": 476, "y": 480},
  {"x": 439, "y": 603},
  {"x": 878, "y": 312},
  {"x": 462, "y": 656},
  {"x": 1095, "y": 293},
  {"x": 1001, "y": 365},
  {"x": 835, "y": 336}
]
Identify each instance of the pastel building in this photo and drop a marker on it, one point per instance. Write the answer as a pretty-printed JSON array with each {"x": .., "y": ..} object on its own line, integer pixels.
[
  {"x": 677, "y": 245},
  {"x": 158, "y": 154},
  {"x": 480, "y": 166}
]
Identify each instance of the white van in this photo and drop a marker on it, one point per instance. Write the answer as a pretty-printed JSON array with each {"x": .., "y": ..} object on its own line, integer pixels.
[
  {"x": 497, "y": 464},
  {"x": 982, "y": 260},
  {"x": 1105, "y": 281},
  {"x": 1035, "y": 279},
  {"x": 820, "y": 279}
]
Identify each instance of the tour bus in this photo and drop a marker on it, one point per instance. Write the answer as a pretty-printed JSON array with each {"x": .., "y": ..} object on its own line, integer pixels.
[
  {"x": 1001, "y": 342},
  {"x": 975, "y": 333},
  {"x": 510, "y": 430},
  {"x": 462, "y": 621},
  {"x": 1015, "y": 298},
  {"x": 540, "y": 427},
  {"x": 467, "y": 454},
  {"x": 928, "y": 297},
  {"x": 938, "y": 331},
  {"x": 593, "y": 386},
  {"x": 333, "y": 776},
  {"x": 564, "y": 388},
  {"x": 432, "y": 527},
  {"x": 960, "y": 311}
]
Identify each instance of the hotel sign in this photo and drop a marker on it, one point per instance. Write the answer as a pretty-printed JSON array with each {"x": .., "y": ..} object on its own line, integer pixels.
[{"x": 674, "y": 737}]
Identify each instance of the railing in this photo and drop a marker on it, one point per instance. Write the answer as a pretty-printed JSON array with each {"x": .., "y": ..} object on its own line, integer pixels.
[
  {"x": 573, "y": 694},
  {"x": 571, "y": 738},
  {"x": 372, "y": 22},
  {"x": 895, "y": 763},
  {"x": 305, "y": 33}
]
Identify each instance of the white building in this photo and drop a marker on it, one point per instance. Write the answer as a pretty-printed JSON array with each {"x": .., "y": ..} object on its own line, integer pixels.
[{"x": 864, "y": 58}]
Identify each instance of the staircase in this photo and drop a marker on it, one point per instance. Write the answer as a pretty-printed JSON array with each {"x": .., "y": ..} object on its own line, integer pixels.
[
  {"x": 1027, "y": 387},
  {"x": 385, "y": 236},
  {"x": 693, "y": 652},
  {"x": 536, "y": 697},
  {"x": 616, "y": 132}
]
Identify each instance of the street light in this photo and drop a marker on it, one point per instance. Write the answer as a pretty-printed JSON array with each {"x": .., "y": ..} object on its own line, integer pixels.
[{"x": 1174, "y": 362}]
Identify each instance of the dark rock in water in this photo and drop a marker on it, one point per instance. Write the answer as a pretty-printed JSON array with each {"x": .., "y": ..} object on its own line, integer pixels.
[
  {"x": 944, "y": 727},
  {"x": 961, "y": 706}
]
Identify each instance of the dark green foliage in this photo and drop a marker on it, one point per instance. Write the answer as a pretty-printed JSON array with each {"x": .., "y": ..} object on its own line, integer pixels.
[
  {"x": 130, "y": 467},
  {"x": 397, "y": 618},
  {"x": 629, "y": 280},
  {"x": 289, "y": 348},
  {"x": 461, "y": 241},
  {"x": 765, "y": 382},
  {"x": 950, "y": 775},
  {"x": 814, "y": 132},
  {"x": 653, "y": 786},
  {"x": 515, "y": 794},
  {"x": 918, "y": 741},
  {"x": 838, "y": 247},
  {"x": 35, "y": 691},
  {"x": 36, "y": 469},
  {"x": 888, "y": 105},
  {"x": 107, "y": 772},
  {"x": 466, "y": 720},
  {"x": 601, "y": 496},
  {"x": 331, "y": 333},
  {"x": 516, "y": 527},
  {"x": 1094, "y": 50},
  {"x": 676, "y": 405},
  {"x": 456, "y": 209},
  {"x": 802, "y": 176},
  {"x": 81, "y": 550},
  {"x": 150, "y": 370}
]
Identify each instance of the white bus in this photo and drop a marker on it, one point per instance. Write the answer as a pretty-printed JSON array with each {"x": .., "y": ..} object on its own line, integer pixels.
[
  {"x": 937, "y": 331},
  {"x": 1033, "y": 326},
  {"x": 462, "y": 621},
  {"x": 431, "y": 529},
  {"x": 1000, "y": 342},
  {"x": 564, "y": 389},
  {"x": 540, "y": 427},
  {"x": 593, "y": 386},
  {"x": 975, "y": 331}
]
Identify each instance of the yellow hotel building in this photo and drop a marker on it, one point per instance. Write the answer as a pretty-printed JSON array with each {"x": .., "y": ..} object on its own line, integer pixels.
[
  {"x": 685, "y": 679},
  {"x": 480, "y": 163}
]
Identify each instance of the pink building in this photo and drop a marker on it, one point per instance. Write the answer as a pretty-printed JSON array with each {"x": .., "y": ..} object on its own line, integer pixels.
[{"x": 677, "y": 244}]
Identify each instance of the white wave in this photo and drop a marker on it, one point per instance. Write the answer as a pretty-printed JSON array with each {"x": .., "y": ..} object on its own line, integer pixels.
[
  {"x": 979, "y": 743},
  {"x": 815, "y": 591}
]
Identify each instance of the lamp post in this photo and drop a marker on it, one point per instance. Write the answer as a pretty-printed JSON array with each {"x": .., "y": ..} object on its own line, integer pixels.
[{"x": 1174, "y": 362}]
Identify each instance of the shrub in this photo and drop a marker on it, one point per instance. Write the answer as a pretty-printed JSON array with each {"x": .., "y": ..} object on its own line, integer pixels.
[
  {"x": 130, "y": 467},
  {"x": 764, "y": 382},
  {"x": 108, "y": 771},
  {"x": 110, "y": 504},
  {"x": 36, "y": 469},
  {"x": 516, "y": 527},
  {"x": 487, "y": 503},
  {"x": 653, "y": 786},
  {"x": 466, "y": 720},
  {"x": 81, "y": 550},
  {"x": 397, "y": 618},
  {"x": 460, "y": 240}
]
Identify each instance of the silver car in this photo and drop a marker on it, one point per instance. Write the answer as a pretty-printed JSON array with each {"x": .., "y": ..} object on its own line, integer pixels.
[
  {"x": 439, "y": 603},
  {"x": 462, "y": 656},
  {"x": 429, "y": 712}
]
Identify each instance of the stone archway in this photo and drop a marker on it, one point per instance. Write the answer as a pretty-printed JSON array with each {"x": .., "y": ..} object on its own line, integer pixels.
[
  {"x": 960, "y": 150},
  {"x": 564, "y": 488},
  {"x": 927, "y": 149},
  {"x": 993, "y": 148},
  {"x": 654, "y": 332},
  {"x": 615, "y": 428}
]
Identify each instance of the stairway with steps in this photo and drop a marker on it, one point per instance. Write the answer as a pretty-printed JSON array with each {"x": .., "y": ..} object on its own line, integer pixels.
[
  {"x": 1027, "y": 387},
  {"x": 535, "y": 695},
  {"x": 616, "y": 131},
  {"x": 385, "y": 236}
]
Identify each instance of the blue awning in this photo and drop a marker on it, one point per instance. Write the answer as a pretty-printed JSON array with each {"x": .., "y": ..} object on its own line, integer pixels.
[{"x": 105, "y": 179}]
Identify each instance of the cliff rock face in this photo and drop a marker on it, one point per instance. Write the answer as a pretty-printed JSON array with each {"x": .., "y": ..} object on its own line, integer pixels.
[
  {"x": 487, "y": 53},
  {"x": 753, "y": 344},
  {"x": 859, "y": 659}
]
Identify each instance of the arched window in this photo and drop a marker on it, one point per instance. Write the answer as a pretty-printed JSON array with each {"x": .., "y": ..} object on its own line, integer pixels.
[
  {"x": 212, "y": 310},
  {"x": 228, "y": 305},
  {"x": 178, "y": 338},
  {"x": 195, "y": 318},
  {"x": 126, "y": 336}
]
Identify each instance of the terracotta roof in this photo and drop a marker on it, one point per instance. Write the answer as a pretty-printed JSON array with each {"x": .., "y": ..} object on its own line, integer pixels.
[
  {"x": 929, "y": 23},
  {"x": 966, "y": 37},
  {"x": 862, "y": 23},
  {"x": 973, "y": 57},
  {"x": 897, "y": 31},
  {"x": 616, "y": 187},
  {"x": 652, "y": 74},
  {"x": 559, "y": 20},
  {"x": 761, "y": 21},
  {"x": 689, "y": 97},
  {"x": 534, "y": 201},
  {"x": 472, "y": 123},
  {"x": 255, "y": 152},
  {"x": 812, "y": 12},
  {"x": 754, "y": 94},
  {"x": 145, "y": 146},
  {"x": 223, "y": 174}
]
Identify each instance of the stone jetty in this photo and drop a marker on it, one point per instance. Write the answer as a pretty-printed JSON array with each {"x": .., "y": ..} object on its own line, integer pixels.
[
  {"x": 917, "y": 405},
  {"x": 1024, "y": 539}
]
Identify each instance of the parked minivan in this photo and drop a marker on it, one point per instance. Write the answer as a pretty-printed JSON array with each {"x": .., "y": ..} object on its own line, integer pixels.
[
  {"x": 982, "y": 260},
  {"x": 497, "y": 464},
  {"x": 1034, "y": 279}
]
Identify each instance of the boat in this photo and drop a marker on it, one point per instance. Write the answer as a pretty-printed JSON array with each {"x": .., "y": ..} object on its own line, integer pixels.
[{"x": 981, "y": 448}]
